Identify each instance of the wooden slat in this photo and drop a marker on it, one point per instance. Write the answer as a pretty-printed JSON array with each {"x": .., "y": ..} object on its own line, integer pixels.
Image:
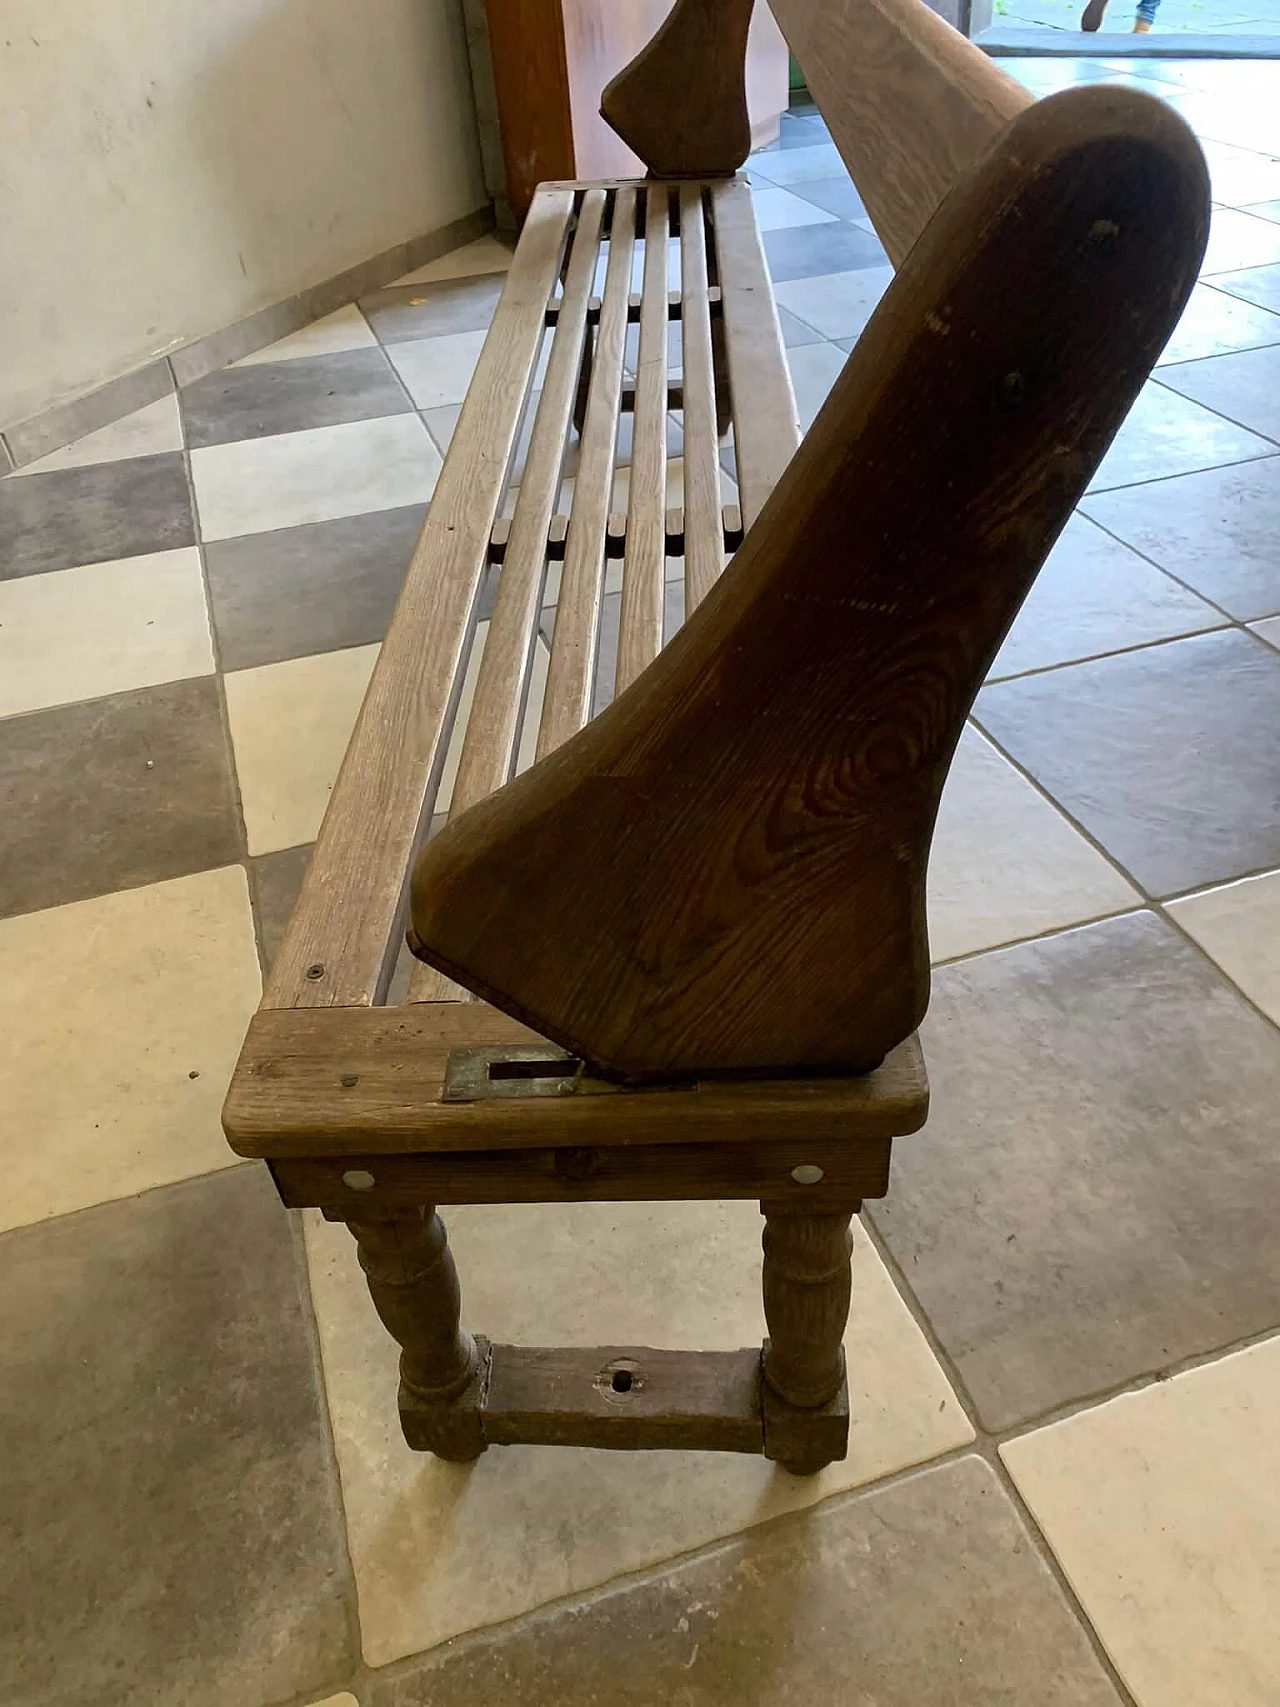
[
  {"x": 640, "y": 623},
  {"x": 909, "y": 102},
  {"x": 492, "y": 727},
  {"x": 703, "y": 526},
  {"x": 351, "y": 1081},
  {"x": 766, "y": 427},
  {"x": 339, "y": 948},
  {"x": 568, "y": 698}
]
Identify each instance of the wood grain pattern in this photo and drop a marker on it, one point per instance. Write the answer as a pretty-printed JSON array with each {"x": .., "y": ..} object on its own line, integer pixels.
[
  {"x": 853, "y": 1166},
  {"x": 726, "y": 868},
  {"x": 703, "y": 525},
  {"x": 910, "y": 104},
  {"x": 807, "y": 1284},
  {"x": 681, "y": 104},
  {"x": 766, "y": 426},
  {"x": 573, "y": 644},
  {"x": 644, "y": 560},
  {"x": 369, "y": 1081},
  {"x": 343, "y": 938}
]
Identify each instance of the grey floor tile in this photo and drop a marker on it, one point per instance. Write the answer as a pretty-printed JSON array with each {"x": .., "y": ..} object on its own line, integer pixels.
[
  {"x": 427, "y": 310},
  {"x": 285, "y": 397},
  {"x": 795, "y": 131},
  {"x": 1244, "y": 385},
  {"x": 795, "y": 332},
  {"x": 813, "y": 251},
  {"x": 1216, "y": 530},
  {"x": 314, "y": 588},
  {"x": 834, "y": 195},
  {"x": 274, "y": 882},
  {"x": 113, "y": 793},
  {"x": 927, "y": 1594},
  {"x": 1167, "y": 755},
  {"x": 93, "y": 515},
  {"x": 171, "y": 1532},
  {"x": 1214, "y": 323},
  {"x": 1165, "y": 434},
  {"x": 1260, "y": 285},
  {"x": 1093, "y": 1197},
  {"x": 1093, "y": 596}
]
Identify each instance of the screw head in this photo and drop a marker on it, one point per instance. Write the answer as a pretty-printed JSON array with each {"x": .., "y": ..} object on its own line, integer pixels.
[
  {"x": 348, "y": 1080},
  {"x": 807, "y": 1174},
  {"x": 316, "y": 971}
]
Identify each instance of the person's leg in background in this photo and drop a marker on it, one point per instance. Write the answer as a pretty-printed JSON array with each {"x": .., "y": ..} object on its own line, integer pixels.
[{"x": 1147, "y": 10}]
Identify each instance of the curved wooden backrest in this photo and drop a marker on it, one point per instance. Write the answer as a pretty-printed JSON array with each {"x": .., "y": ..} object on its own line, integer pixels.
[
  {"x": 909, "y": 102},
  {"x": 725, "y": 871}
]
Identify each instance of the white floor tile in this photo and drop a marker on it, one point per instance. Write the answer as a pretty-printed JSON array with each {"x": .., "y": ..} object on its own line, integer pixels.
[
  {"x": 1238, "y": 926},
  {"x": 82, "y": 633},
  {"x": 121, "y": 1018},
  {"x": 485, "y": 255},
  {"x": 1163, "y": 1508},
  {"x": 255, "y": 485},
  {"x": 814, "y": 370},
  {"x": 1214, "y": 323},
  {"x": 778, "y": 210},
  {"x": 836, "y": 304},
  {"x": 1166, "y": 434},
  {"x": 440, "y": 1548},
  {"x": 146, "y": 432},
  {"x": 796, "y": 165},
  {"x": 290, "y": 724},
  {"x": 347, "y": 329},
  {"x": 437, "y": 371},
  {"x": 1239, "y": 240},
  {"x": 1006, "y": 864}
]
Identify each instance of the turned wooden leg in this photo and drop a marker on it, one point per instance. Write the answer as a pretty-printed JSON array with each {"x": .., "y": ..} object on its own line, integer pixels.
[
  {"x": 414, "y": 1287},
  {"x": 807, "y": 1284}
]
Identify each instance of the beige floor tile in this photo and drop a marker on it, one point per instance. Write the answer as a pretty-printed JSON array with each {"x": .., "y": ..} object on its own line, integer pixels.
[
  {"x": 1239, "y": 927},
  {"x": 256, "y": 485},
  {"x": 437, "y": 371},
  {"x": 290, "y": 724},
  {"x": 440, "y": 1548},
  {"x": 347, "y": 329},
  {"x": 1006, "y": 864},
  {"x": 1163, "y": 1508},
  {"x": 121, "y": 1020},
  {"x": 146, "y": 432},
  {"x": 82, "y": 633},
  {"x": 343, "y": 1700},
  {"x": 485, "y": 255}
]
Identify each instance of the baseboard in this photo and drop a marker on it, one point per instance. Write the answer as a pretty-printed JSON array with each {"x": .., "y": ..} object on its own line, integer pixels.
[{"x": 27, "y": 441}]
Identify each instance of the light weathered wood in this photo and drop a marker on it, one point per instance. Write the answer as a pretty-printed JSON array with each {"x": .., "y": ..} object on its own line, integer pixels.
[
  {"x": 588, "y": 1172},
  {"x": 910, "y": 104},
  {"x": 370, "y": 1080},
  {"x": 727, "y": 867},
  {"x": 343, "y": 939},
  {"x": 627, "y": 1398},
  {"x": 493, "y": 725},
  {"x": 573, "y": 646},
  {"x": 703, "y": 531},
  {"x": 414, "y": 1287},
  {"x": 766, "y": 426},
  {"x": 681, "y": 104},
  {"x": 640, "y": 622}
]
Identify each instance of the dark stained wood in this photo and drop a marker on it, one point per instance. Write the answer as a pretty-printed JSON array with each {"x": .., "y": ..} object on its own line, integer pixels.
[
  {"x": 414, "y": 1287},
  {"x": 807, "y": 1286},
  {"x": 681, "y": 104},
  {"x": 370, "y": 1080},
  {"x": 725, "y": 871},
  {"x": 531, "y": 82},
  {"x": 910, "y": 104},
  {"x": 588, "y": 1173},
  {"x": 629, "y": 1398}
]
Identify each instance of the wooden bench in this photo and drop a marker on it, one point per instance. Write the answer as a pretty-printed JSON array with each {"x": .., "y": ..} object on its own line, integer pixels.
[{"x": 697, "y": 921}]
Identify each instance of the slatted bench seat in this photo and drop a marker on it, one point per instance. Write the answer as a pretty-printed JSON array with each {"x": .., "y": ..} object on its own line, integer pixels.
[{"x": 677, "y": 950}]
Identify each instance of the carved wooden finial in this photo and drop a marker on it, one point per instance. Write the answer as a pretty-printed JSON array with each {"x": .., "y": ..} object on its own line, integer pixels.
[{"x": 681, "y": 104}]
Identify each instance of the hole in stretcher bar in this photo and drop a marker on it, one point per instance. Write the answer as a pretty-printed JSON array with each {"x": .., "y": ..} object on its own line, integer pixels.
[
  {"x": 621, "y": 1382},
  {"x": 560, "y": 1069}
]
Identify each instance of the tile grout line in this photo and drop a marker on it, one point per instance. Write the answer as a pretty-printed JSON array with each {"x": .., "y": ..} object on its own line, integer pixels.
[
  {"x": 1153, "y": 903},
  {"x": 986, "y": 1445},
  {"x": 1233, "y": 621}
]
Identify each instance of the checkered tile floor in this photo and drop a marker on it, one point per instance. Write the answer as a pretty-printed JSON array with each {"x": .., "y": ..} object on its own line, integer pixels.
[{"x": 1063, "y": 1483}]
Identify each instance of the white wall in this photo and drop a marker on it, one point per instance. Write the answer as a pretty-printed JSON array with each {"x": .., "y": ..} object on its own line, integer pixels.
[{"x": 169, "y": 166}]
